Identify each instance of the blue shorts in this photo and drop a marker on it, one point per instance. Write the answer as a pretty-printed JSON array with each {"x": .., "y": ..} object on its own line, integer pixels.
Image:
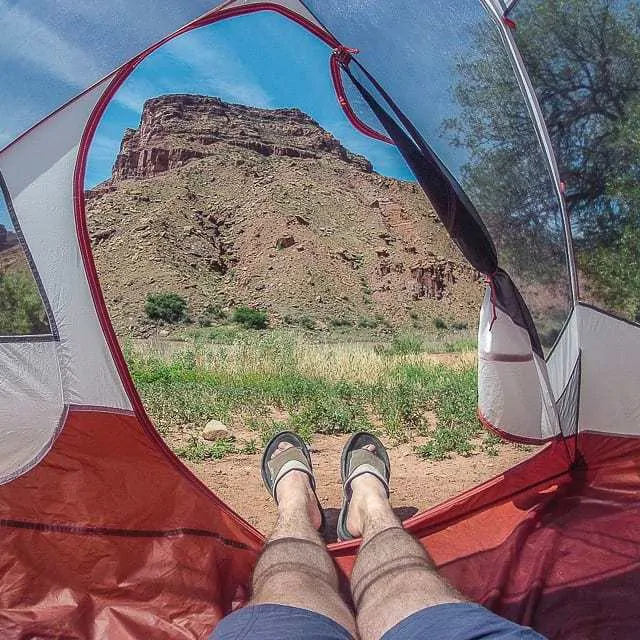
[{"x": 460, "y": 621}]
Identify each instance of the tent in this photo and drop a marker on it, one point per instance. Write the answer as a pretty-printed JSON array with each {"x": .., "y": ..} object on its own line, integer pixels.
[{"x": 105, "y": 534}]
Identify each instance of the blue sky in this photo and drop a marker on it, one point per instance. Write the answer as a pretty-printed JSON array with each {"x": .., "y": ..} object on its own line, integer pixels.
[
  {"x": 260, "y": 59},
  {"x": 4, "y": 214}
]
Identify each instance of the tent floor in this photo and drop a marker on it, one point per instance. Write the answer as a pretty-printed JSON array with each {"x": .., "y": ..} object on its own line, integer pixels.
[{"x": 96, "y": 544}]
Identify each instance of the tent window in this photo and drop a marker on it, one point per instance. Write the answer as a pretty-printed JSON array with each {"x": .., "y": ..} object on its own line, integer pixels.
[
  {"x": 589, "y": 92},
  {"x": 459, "y": 91},
  {"x": 22, "y": 311}
]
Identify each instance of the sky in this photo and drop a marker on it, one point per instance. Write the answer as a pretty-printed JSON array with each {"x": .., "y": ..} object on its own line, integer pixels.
[
  {"x": 4, "y": 214},
  {"x": 262, "y": 60}
]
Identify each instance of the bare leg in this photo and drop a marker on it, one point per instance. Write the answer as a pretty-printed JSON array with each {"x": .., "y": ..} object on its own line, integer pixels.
[
  {"x": 394, "y": 576},
  {"x": 295, "y": 568}
]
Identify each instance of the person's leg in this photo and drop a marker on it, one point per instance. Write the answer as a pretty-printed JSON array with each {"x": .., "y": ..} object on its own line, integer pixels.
[
  {"x": 294, "y": 570},
  {"x": 393, "y": 576}
]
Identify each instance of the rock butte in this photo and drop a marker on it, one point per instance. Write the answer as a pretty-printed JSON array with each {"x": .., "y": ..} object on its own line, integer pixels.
[{"x": 229, "y": 204}]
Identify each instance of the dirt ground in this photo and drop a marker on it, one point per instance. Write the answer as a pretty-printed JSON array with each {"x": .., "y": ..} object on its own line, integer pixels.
[{"x": 415, "y": 484}]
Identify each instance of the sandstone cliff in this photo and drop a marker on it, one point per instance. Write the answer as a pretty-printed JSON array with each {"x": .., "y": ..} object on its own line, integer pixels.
[{"x": 227, "y": 204}]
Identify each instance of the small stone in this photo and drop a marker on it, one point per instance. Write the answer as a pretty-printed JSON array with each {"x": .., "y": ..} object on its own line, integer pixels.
[
  {"x": 144, "y": 224},
  {"x": 382, "y": 252},
  {"x": 375, "y": 204},
  {"x": 215, "y": 430},
  {"x": 285, "y": 242}
]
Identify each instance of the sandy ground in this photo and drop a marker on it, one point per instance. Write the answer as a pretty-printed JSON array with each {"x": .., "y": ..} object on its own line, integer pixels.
[{"x": 415, "y": 484}]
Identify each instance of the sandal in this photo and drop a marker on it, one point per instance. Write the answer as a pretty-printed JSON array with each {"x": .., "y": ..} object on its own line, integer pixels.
[
  {"x": 296, "y": 458},
  {"x": 355, "y": 462}
]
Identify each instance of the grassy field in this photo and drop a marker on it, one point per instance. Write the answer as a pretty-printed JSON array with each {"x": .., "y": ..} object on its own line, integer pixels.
[{"x": 261, "y": 382}]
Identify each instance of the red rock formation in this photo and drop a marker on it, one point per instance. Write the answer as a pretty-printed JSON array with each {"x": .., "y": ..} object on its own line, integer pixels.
[{"x": 175, "y": 129}]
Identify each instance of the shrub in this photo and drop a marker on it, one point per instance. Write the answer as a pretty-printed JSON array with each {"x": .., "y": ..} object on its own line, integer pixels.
[
  {"x": 439, "y": 323},
  {"x": 21, "y": 309},
  {"x": 250, "y": 318},
  {"x": 167, "y": 307},
  {"x": 368, "y": 323},
  {"x": 212, "y": 313},
  {"x": 308, "y": 323}
]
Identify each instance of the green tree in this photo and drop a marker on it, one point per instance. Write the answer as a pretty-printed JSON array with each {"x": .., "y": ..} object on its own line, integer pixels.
[
  {"x": 583, "y": 57},
  {"x": 21, "y": 308}
]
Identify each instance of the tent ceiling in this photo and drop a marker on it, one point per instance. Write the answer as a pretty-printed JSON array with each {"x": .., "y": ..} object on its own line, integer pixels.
[
  {"x": 55, "y": 55},
  {"x": 57, "y": 50}
]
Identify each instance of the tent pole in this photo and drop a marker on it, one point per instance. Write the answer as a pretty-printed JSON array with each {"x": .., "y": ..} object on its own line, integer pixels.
[{"x": 496, "y": 13}]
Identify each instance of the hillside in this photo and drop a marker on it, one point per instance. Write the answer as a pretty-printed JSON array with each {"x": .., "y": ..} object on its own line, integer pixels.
[
  {"x": 12, "y": 257},
  {"x": 226, "y": 205}
]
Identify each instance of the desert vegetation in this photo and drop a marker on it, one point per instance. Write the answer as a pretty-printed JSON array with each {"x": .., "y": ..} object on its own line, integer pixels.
[
  {"x": 21, "y": 309},
  {"x": 262, "y": 383}
]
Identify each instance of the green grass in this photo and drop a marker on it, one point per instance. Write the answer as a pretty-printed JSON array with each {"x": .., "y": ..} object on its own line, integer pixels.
[
  {"x": 197, "y": 450},
  {"x": 403, "y": 344},
  {"x": 328, "y": 389}
]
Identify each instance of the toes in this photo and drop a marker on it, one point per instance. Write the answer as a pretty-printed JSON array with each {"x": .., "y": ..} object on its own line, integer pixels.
[
  {"x": 283, "y": 446},
  {"x": 369, "y": 447}
]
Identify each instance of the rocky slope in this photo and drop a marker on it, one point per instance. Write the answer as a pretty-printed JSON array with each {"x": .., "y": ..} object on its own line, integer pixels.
[
  {"x": 227, "y": 204},
  {"x": 12, "y": 257}
]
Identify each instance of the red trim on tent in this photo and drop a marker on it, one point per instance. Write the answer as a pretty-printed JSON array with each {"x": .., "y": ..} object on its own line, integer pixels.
[
  {"x": 510, "y": 436},
  {"x": 336, "y": 75}
]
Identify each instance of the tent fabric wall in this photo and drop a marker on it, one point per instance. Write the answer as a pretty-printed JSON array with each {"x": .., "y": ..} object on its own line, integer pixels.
[
  {"x": 545, "y": 544},
  {"x": 610, "y": 353},
  {"x": 100, "y": 539},
  {"x": 31, "y": 404},
  {"x": 38, "y": 171},
  {"x": 111, "y": 537},
  {"x": 514, "y": 396}
]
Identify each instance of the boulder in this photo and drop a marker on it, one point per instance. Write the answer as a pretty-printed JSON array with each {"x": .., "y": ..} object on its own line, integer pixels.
[{"x": 215, "y": 430}]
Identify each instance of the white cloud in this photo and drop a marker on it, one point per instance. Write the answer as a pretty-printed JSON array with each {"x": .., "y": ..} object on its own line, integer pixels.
[
  {"x": 217, "y": 70},
  {"x": 193, "y": 63},
  {"x": 133, "y": 93}
]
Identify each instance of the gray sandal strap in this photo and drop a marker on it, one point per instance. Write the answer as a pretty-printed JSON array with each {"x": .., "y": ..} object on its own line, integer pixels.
[
  {"x": 366, "y": 458},
  {"x": 290, "y": 460},
  {"x": 275, "y": 465}
]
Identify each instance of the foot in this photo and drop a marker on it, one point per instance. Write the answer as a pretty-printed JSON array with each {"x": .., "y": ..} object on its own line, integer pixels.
[
  {"x": 368, "y": 497},
  {"x": 294, "y": 492}
]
